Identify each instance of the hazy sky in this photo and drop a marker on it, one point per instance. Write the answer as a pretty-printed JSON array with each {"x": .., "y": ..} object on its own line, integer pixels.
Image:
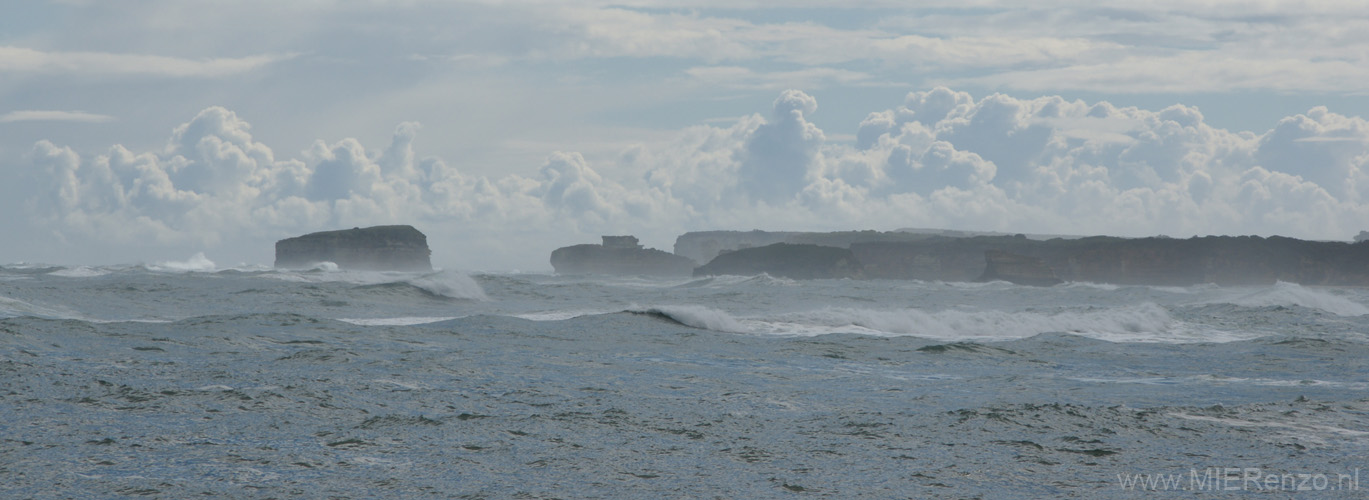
[{"x": 152, "y": 130}]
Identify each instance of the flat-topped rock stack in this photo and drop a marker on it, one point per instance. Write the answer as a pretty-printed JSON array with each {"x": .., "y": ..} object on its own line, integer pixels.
[{"x": 378, "y": 248}]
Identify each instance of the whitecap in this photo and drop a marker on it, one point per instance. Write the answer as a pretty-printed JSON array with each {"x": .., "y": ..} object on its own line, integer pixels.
[
  {"x": 451, "y": 285},
  {"x": 400, "y": 321},
  {"x": 79, "y": 272},
  {"x": 197, "y": 263},
  {"x": 1292, "y": 294},
  {"x": 559, "y": 315},
  {"x": 698, "y": 317},
  {"x": 1142, "y": 323}
]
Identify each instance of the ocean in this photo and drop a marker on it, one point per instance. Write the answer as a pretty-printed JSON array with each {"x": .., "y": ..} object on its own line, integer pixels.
[{"x": 187, "y": 379}]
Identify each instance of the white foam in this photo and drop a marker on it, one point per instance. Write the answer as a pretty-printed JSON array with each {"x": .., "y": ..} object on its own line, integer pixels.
[
  {"x": 401, "y": 321},
  {"x": 1143, "y": 323},
  {"x": 325, "y": 266},
  {"x": 559, "y": 315},
  {"x": 197, "y": 263},
  {"x": 1220, "y": 380},
  {"x": 79, "y": 272},
  {"x": 1292, "y": 294},
  {"x": 1106, "y": 287},
  {"x": 1298, "y": 427},
  {"x": 731, "y": 280}
]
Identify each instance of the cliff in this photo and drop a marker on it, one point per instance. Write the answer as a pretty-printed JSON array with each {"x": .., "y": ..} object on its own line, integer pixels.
[
  {"x": 786, "y": 260},
  {"x": 379, "y": 248},
  {"x": 1221, "y": 260},
  {"x": 1019, "y": 269},
  {"x": 703, "y": 246},
  {"x": 619, "y": 255}
]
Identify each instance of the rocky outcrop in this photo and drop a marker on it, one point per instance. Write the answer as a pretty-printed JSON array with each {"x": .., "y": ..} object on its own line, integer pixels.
[
  {"x": 786, "y": 260},
  {"x": 619, "y": 255},
  {"x": 379, "y": 248},
  {"x": 1018, "y": 269}
]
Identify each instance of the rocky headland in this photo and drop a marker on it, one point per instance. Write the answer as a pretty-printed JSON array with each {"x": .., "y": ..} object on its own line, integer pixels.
[
  {"x": 786, "y": 260},
  {"x": 1221, "y": 260},
  {"x": 956, "y": 256},
  {"x": 619, "y": 255},
  {"x": 378, "y": 248}
]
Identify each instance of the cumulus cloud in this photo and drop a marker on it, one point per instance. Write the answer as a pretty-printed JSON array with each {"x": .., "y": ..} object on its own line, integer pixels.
[{"x": 941, "y": 158}]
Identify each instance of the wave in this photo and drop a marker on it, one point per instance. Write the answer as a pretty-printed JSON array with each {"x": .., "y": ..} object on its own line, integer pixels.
[
  {"x": 1143, "y": 323},
  {"x": 15, "y": 308},
  {"x": 197, "y": 263},
  {"x": 450, "y": 284},
  {"x": 730, "y": 280},
  {"x": 1292, "y": 294},
  {"x": 706, "y": 318},
  {"x": 446, "y": 284},
  {"x": 402, "y": 321},
  {"x": 80, "y": 272}
]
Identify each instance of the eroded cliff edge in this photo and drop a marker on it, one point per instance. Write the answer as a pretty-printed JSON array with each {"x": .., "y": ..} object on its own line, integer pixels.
[{"x": 377, "y": 248}]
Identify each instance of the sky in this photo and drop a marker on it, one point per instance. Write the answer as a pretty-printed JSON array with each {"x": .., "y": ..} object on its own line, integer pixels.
[{"x": 150, "y": 131}]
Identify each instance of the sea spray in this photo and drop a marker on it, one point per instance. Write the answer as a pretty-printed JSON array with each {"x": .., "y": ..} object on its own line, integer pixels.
[
  {"x": 197, "y": 263},
  {"x": 1292, "y": 294},
  {"x": 450, "y": 284}
]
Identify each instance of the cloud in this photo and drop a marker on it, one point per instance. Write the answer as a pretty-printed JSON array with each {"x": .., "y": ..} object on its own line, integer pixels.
[
  {"x": 942, "y": 158},
  {"x": 54, "y": 116},
  {"x": 25, "y": 61}
]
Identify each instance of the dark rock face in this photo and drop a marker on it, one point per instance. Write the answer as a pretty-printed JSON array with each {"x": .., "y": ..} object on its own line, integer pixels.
[
  {"x": 786, "y": 260},
  {"x": 703, "y": 246},
  {"x": 1018, "y": 269},
  {"x": 1221, "y": 260},
  {"x": 619, "y": 255},
  {"x": 379, "y": 248}
]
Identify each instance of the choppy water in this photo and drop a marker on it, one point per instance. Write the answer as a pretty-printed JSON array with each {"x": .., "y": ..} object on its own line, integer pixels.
[{"x": 184, "y": 380}]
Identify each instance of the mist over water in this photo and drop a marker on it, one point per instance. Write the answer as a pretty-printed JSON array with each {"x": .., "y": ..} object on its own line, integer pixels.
[{"x": 185, "y": 378}]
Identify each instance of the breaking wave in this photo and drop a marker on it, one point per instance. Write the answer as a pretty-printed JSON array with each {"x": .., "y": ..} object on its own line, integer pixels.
[
  {"x": 449, "y": 284},
  {"x": 80, "y": 272},
  {"x": 197, "y": 263},
  {"x": 446, "y": 284},
  {"x": 1292, "y": 294},
  {"x": 697, "y": 316},
  {"x": 1143, "y": 323}
]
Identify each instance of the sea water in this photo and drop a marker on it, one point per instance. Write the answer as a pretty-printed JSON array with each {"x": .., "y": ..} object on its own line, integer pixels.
[{"x": 185, "y": 379}]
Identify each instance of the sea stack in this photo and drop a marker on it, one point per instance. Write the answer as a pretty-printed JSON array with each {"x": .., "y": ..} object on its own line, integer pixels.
[
  {"x": 378, "y": 248},
  {"x": 620, "y": 255}
]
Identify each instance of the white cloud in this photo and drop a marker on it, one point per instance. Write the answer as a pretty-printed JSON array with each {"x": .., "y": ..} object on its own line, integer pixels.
[
  {"x": 54, "y": 116},
  {"x": 22, "y": 61},
  {"x": 943, "y": 158}
]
